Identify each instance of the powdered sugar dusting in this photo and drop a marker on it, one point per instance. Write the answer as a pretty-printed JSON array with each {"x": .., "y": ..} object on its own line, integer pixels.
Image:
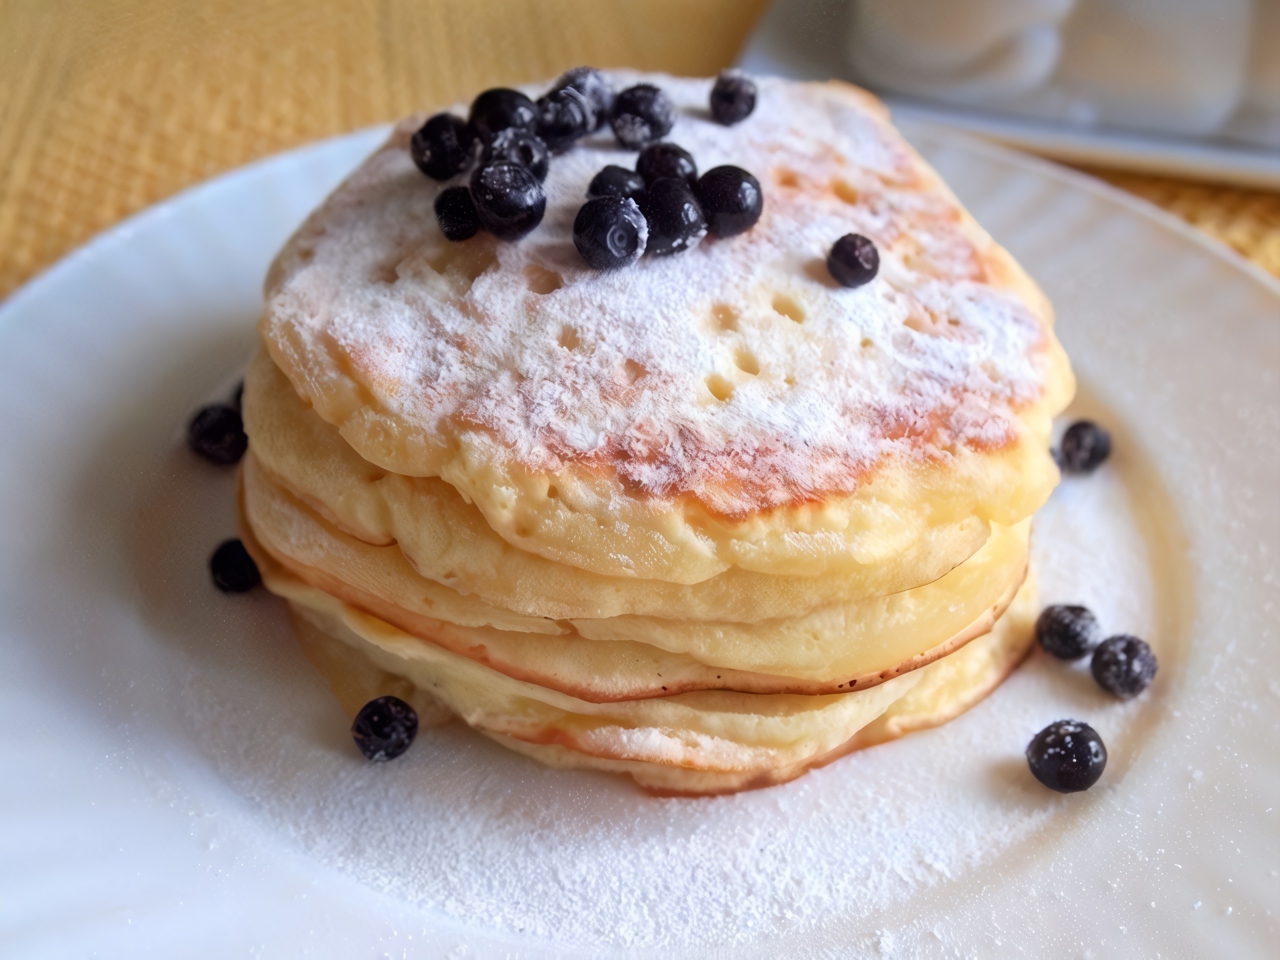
[
  {"x": 463, "y": 827},
  {"x": 737, "y": 372}
]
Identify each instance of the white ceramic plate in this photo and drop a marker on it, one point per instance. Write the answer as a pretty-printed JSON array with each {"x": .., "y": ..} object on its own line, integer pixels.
[{"x": 176, "y": 782}]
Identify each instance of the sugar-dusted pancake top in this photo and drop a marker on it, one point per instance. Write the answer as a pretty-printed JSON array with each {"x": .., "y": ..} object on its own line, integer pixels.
[{"x": 731, "y": 380}]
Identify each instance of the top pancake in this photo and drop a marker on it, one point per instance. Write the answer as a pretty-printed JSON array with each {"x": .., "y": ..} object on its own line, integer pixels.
[{"x": 729, "y": 406}]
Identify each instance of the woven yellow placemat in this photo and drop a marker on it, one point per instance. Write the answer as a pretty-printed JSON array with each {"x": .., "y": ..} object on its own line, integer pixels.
[{"x": 107, "y": 106}]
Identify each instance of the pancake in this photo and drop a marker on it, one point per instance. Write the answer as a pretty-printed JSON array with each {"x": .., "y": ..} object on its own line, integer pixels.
[
  {"x": 726, "y": 409},
  {"x": 699, "y": 743},
  {"x": 848, "y": 646},
  {"x": 709, "y": 520},
  {"x": 448, "y": 541}
]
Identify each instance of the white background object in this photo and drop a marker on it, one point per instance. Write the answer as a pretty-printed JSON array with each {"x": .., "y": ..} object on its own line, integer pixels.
[
  {"x": 176, "y": 781},
  {"x": 1180, "y": 87},
  {"x": 1190, "y": 67}
]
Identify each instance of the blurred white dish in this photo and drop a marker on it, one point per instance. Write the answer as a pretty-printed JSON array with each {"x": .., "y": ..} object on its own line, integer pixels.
[
  {"x": 174, "y": 781},
  {"x": 1193, "y": 68},
  {"x": 1189, "y": 89}
]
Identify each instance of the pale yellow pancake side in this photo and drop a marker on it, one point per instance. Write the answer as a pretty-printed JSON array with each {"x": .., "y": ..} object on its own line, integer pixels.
[
  {"x": 721, "y": 743},
  {"x": 448, "y": 541},
  {"x": 844, "y": 646}
]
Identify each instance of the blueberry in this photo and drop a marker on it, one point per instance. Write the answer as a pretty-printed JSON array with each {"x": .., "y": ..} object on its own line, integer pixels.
[
  {"x": 508, "y": 198},
  {"x": 675, "y": 220},
  {"x": 456, "y": 214},
  {"x": 216, "y": 432},
  {"x": 384, "y": 728},
  {"x": 610, "y": 232},
  {"x": 522, "y": 147},
  {"x": 233, "y": 569},
  {"x": 564, "y": 117},
  {"x": 730, "y": 199},
  {"x": 642, "y": 114},
  {"x": 615, "y": 181},
  {"x": 660, "y": 160},
  {"x": 1123, "y": 665},
  {"x": 1067, "y": 756},
  {"x": 443, "y": 147},
  {"x": 497, "y": 109},
  {"x": 732, "y": 98},
  {"x": 853, "y": 260},
  {"x": 591, "y": 83},
  {"x": 1067, "y": 632},
  {"x": 1084, "y": 446}
]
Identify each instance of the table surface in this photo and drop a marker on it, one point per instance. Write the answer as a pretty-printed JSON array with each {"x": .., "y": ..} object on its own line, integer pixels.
[{"x": 107, "y": 106}]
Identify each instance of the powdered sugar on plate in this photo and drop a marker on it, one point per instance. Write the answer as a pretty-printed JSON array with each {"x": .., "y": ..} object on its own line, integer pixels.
[{"x": 462, "y": 827}]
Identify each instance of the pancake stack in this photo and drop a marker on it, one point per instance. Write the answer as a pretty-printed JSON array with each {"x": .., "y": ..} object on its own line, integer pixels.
[{"x": 709, "y": 520}]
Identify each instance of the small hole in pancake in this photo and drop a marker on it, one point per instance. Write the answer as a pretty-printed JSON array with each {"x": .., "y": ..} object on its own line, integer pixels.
[
  {"x": 745, "y": 361},
  {"x": 541, "y": 280},
  {"x": 552, "y": 492},
  {"x": 569, "y": 338},
  {"x": 867, "y": 343},
  {"x": 845, "y": 191},
  {"x": 720, "y": 388},
  {"x": 634, "y": 371},
  {"x": 786, "y": 178},
  {"x": 724, "y": 316},
  {"x": 788, "y": 307},
  {"x": 522, "y": 532}
]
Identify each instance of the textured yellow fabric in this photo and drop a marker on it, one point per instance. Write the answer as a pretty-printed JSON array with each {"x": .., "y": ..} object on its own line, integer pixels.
[{"x": 107, "y": 106}]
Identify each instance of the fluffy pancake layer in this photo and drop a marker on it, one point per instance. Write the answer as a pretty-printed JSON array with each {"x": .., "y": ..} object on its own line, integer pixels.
[
  {"x": 692, "y": 743},
  {"x": 845, "y": 646},
  {"x": 725, "y": 409},
  {"x": 447, "y": 540}
]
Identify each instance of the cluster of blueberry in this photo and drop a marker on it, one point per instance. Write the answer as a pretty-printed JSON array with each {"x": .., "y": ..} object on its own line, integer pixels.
[
  {"x": 385, "y": 727},
  {"x": 217, "y": 434},
  {"x": 661, "y": 207},
  {"x": 1122, "y": 665},
  {"x": 1068, "y": 755}
]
